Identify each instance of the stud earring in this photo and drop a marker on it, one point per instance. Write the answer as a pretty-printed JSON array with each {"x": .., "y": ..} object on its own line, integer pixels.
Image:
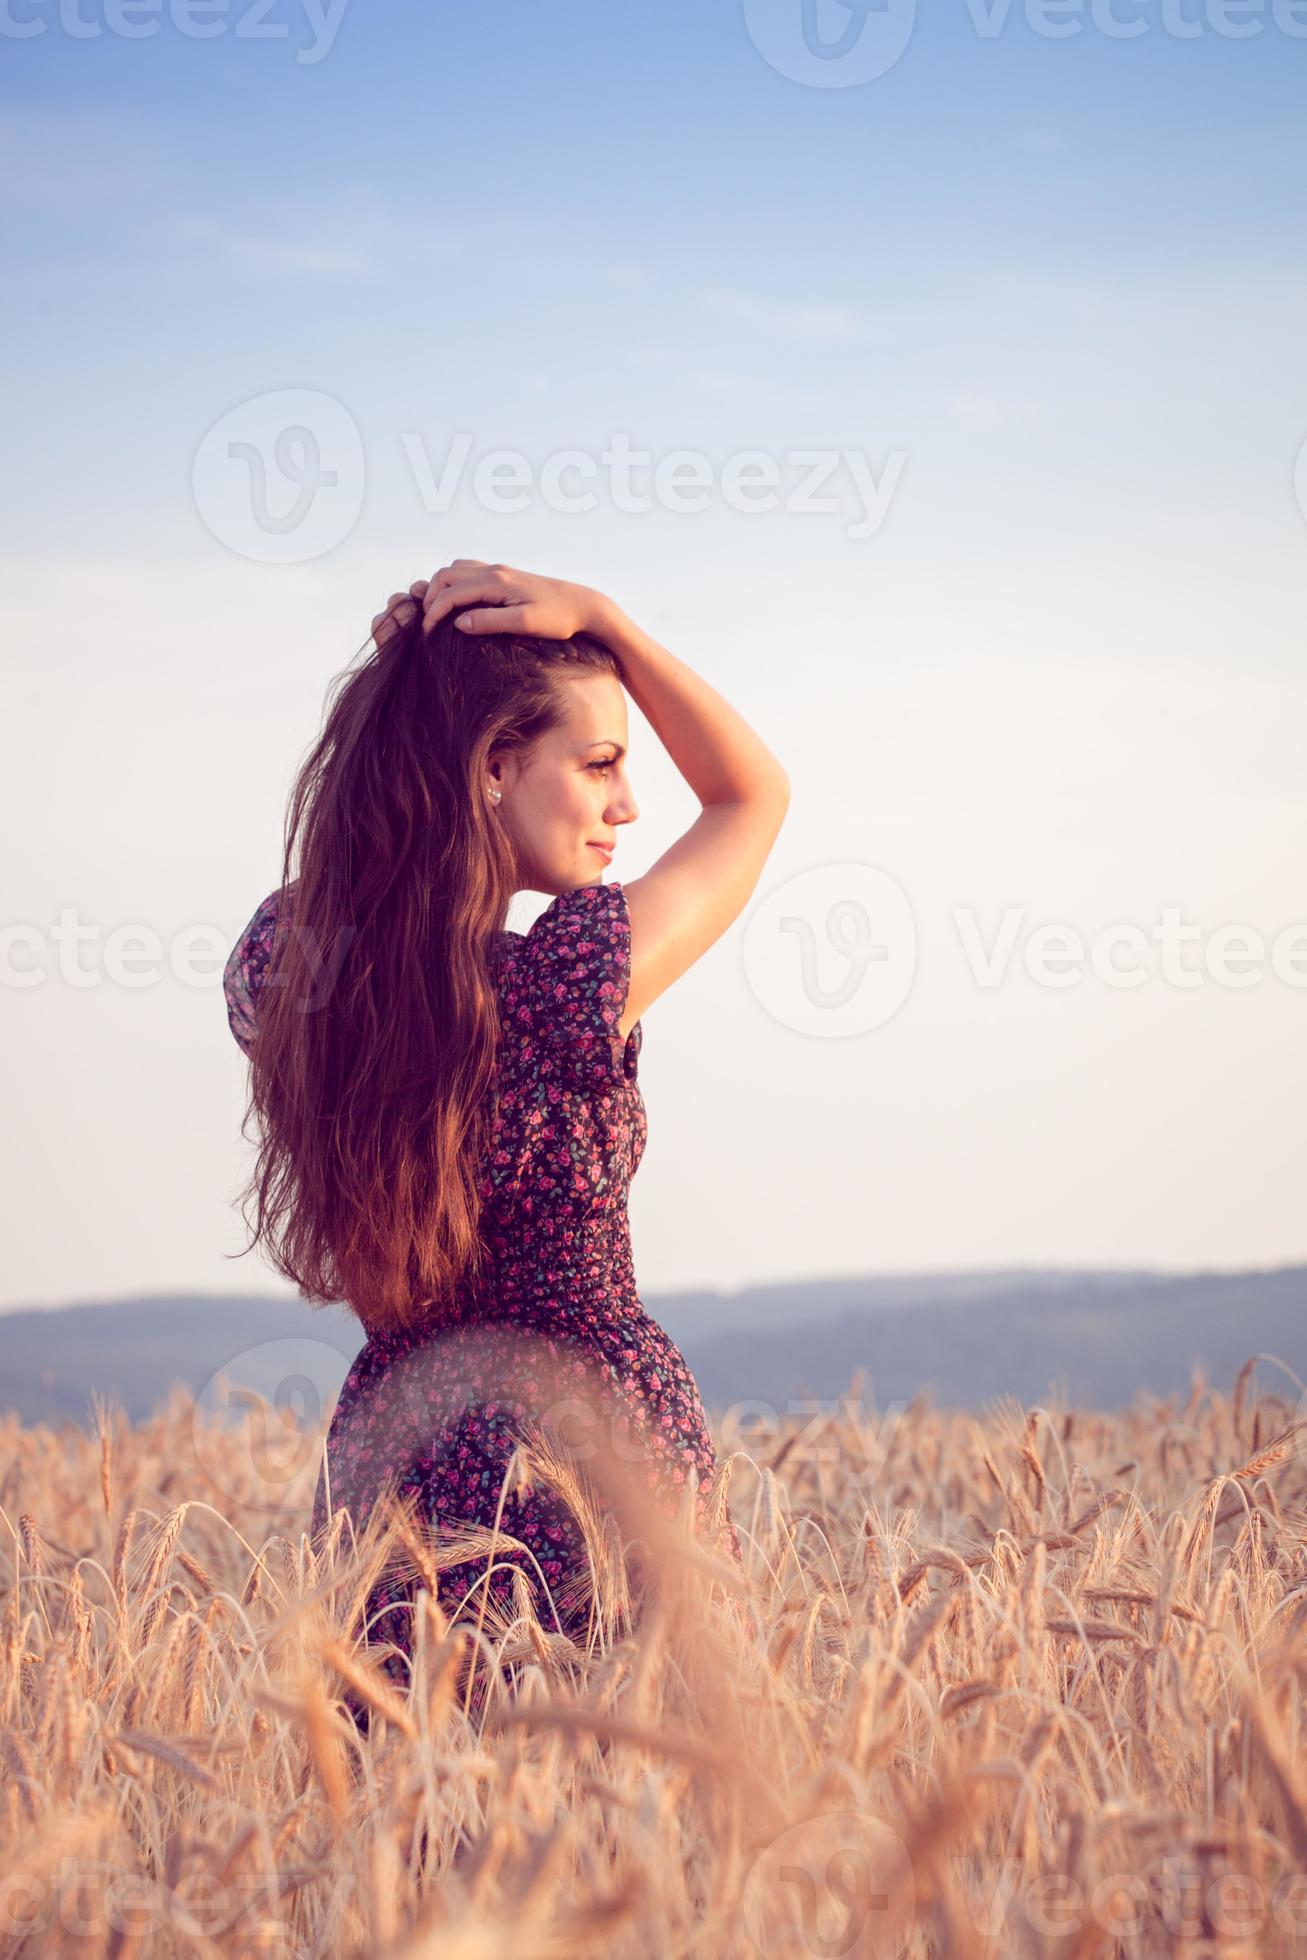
[{"x": 496, "y": 794}]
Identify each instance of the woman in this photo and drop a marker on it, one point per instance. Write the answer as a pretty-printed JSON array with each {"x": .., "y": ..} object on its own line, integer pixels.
[{"x": 449, "y": 1112}]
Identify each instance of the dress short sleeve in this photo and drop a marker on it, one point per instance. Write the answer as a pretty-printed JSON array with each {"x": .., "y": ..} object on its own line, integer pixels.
[
  {"x": 247, "y": 964},
  {"x": 576, "y": 968}
]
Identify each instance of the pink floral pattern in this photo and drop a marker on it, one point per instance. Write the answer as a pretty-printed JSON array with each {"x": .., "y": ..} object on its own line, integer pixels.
[{"x": 439, "y": 1414}]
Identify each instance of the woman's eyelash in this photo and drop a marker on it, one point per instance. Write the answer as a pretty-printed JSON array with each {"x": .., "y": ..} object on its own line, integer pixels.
[{"x": 607, "y": 763}]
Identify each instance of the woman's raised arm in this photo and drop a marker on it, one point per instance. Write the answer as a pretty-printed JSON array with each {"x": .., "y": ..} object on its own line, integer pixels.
[{"x": 699, "y": 886}]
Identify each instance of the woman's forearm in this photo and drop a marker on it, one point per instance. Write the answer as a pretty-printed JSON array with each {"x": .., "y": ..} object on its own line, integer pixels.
[{"x": 716, "y": 751}]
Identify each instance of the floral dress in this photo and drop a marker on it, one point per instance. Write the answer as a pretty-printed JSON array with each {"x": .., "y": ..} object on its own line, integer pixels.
[{"x": 560, "y": 1333}]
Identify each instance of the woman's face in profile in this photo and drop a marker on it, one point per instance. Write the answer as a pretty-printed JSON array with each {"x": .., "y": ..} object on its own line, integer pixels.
[{"x": 572, "y": 793}]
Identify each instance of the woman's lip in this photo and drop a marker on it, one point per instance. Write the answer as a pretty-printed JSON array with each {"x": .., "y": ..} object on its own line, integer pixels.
[{"x": 603, "y": 849}]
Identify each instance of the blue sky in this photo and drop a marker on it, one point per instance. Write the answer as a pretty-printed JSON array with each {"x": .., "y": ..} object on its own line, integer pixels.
[{"x": 1060, "y": 281}]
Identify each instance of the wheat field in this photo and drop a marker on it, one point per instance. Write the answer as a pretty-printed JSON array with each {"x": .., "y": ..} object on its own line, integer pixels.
[{"x": 1012, "y": 1682}]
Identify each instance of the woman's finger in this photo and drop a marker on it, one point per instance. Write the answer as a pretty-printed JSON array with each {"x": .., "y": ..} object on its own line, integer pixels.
[
  {"x": 463, "y": 589},
  {"x": 494, "y": 619},
  {"x": 458, "y": 568}
]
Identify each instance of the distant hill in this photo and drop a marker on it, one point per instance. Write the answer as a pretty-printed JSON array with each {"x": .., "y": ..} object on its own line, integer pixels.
[
  {"x": 1097, "y": 1337},
  {"x": 1099, "y": 1341}
]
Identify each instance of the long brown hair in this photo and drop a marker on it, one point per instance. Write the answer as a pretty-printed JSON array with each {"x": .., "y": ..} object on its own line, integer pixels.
[{"x": 372, "y": 1070}]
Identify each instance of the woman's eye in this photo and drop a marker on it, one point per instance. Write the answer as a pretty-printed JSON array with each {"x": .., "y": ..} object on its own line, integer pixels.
[{"x": 602, "y": 765}]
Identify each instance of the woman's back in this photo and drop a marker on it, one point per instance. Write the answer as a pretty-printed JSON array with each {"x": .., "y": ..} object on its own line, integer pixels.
[{"x": 570, "y": 1124}]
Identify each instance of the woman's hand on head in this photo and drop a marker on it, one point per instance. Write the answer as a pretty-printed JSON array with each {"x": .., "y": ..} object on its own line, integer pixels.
[{"x": 499, "y": 599}]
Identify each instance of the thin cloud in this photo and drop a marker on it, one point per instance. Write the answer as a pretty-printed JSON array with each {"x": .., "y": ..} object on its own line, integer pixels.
[
  {"x": 980, "y": 410},
  {"x": 726, "y": 381},
  {"x": 269, "y": 253},
  {"x": 797, "y": 319}
]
